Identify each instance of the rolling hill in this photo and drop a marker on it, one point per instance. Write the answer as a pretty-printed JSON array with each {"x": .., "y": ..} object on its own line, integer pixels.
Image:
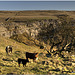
[{"x": 26, "y": 31}]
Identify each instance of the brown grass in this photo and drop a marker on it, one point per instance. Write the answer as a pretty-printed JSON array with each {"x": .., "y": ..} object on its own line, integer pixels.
[{"x": 8, "y": 63}]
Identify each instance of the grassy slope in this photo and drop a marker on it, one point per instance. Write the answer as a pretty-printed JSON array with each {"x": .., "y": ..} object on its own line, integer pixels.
[{"x": 8, "y": 63}]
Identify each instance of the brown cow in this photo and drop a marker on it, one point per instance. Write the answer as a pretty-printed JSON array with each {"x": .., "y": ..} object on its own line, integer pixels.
[{"x": 33, "y": 56}]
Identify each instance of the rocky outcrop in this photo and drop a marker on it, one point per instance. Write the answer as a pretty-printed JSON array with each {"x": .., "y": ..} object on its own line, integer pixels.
[
  {"x": 49, "y": 31},
  {"x": 32, "y": 29},
  {"x": 4, "y": 32}
]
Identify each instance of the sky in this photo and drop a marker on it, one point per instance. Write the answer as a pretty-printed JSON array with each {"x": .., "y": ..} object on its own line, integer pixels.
[{"x": 37, "y": 5}]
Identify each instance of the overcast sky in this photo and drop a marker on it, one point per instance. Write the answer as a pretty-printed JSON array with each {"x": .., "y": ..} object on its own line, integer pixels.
[{"x": 37, "y": 5}]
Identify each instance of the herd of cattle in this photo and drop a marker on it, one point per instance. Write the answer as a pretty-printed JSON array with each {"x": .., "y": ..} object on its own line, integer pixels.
[{"x": 33, "y": 56}]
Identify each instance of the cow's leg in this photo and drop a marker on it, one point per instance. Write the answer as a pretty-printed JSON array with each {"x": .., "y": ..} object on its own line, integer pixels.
[
  {"x": 33, "y": 60},
  {"x": 11, "y": 50},
  {"x": 23, "y": 65},
  {"x": 6, "y": 51},
  {"x": 19, "y": 65}
]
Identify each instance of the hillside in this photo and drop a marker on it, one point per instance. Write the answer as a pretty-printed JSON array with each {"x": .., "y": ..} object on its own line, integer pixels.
[
  {"x": 27, "y": 31},
  {"x": 46, "y": 64}
]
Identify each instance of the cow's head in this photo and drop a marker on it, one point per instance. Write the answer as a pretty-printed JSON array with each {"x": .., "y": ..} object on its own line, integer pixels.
[{"x": 36, "y": 55}]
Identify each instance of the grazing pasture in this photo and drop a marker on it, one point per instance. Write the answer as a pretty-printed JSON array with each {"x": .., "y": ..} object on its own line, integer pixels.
[
  {"x": 54, "y": 32},
  {"x": 44, "y": 64}
]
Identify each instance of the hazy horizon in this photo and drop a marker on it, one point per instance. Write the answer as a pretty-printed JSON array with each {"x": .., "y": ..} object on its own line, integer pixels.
[{"x": 37, "y": 5}]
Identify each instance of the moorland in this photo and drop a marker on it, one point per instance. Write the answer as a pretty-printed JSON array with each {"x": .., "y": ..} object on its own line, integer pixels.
[{"x": 28, "y": 31}]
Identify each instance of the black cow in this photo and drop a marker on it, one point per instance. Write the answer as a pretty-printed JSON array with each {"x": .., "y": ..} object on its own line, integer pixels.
[
  {"x": 8, "y": 49},
  {"x": 23, "y": 61}
]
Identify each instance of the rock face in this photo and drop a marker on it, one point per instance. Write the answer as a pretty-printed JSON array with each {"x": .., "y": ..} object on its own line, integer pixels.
[
  {"x": 50, "y": 31},
  {"x": 4, "y": 32},
  {"x": 32, "y": 29}
]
